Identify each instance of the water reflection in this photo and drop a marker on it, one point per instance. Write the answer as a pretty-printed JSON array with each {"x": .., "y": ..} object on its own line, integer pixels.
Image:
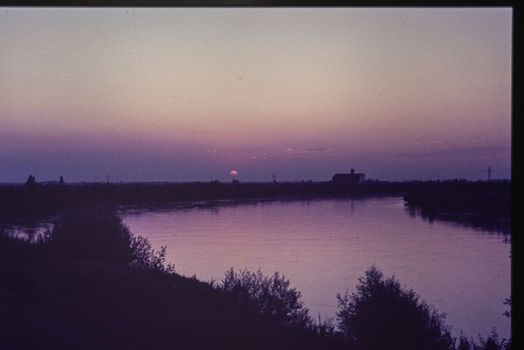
[
  {"x": 29, "y": 231},
  {"x": 473, "y": 221},
  {"x": 323, "y": 246}
]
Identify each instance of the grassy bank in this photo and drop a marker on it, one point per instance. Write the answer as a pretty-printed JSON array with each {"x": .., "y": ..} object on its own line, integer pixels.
[{"x": 91, "y": 284}]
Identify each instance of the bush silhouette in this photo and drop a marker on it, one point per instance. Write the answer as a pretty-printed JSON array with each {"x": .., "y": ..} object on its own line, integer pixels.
[
  {"x": 91, "y": 233},
  {"x": 145, "y": 257},
  {"x": 270, "y": 296},
  {"x": 381, "y": 315}
]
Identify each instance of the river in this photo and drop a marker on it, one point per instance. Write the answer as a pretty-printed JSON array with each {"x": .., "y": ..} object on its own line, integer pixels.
[{"x": 324, "y": 246}]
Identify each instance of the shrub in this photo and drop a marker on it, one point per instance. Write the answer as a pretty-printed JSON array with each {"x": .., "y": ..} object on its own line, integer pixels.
[
  {"x": 381, "y": 315},
  {"x": 145, "y": 257},
  {"x": 270, "y": 296}
]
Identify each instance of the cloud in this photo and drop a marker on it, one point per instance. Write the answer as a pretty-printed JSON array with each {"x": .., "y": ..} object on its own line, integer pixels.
[
  {"x": 455, "y": 152},
  {"x": 306, "y": 150}
]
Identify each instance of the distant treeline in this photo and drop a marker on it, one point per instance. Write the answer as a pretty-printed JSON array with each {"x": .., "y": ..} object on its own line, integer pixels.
[
  {"x": 491, "y": 200},
  {"x": 44, "y": 199}
]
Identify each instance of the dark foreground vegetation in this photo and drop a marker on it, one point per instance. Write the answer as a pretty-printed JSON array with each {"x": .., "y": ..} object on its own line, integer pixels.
[{"x": 91, "y": 284}]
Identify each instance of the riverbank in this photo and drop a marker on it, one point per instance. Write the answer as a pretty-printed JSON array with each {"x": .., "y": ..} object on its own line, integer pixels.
[
  {"x": 91, "y": 284},
  {"x": 97, "y": 305}
]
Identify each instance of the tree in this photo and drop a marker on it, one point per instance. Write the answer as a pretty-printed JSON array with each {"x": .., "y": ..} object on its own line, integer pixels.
[
  {"x": 31, "y": 181},
  {"x": 492, "y": 342},
  {"x": 382, "y": 315}
]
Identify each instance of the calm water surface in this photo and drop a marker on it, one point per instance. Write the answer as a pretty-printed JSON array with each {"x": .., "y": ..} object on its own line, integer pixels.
[{"x": 324, "y": 246}]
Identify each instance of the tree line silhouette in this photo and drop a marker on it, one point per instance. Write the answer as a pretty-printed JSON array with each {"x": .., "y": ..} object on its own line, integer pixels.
[
  {"x": 489, "y": 199},
  {"x": 42, "y": 199}
]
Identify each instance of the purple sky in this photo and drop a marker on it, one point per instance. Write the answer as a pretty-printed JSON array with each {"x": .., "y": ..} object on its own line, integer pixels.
[{"x": 189, "y": 94}]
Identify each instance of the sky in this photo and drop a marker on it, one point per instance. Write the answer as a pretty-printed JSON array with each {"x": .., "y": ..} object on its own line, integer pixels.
[{"x": 189, "y": 94}]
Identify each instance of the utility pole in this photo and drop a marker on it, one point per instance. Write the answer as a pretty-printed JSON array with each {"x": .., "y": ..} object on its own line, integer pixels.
[{"x": 489, "y": 173}]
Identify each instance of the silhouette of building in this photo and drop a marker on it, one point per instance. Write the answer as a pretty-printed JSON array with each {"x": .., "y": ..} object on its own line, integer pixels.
[{"x": 351, "y": 178}]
